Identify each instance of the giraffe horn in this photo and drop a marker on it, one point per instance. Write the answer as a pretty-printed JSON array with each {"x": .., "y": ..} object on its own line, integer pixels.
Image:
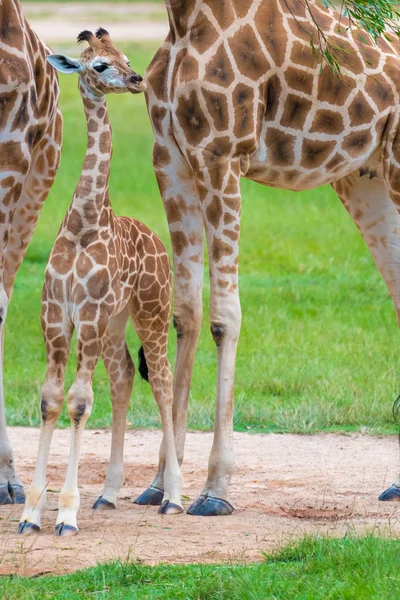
[
  {"x": 102, "y": 33},
  {"x": 87, "y": 36}
]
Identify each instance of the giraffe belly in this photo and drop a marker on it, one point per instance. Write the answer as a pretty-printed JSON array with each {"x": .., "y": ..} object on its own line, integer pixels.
[{"x": 295, "y": 178}]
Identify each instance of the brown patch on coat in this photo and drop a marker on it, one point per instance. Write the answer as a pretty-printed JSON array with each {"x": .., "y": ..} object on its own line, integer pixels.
[
  {"x": 327, "y": 121},
  {"x": 219, "y": 69},
  {"x": 202, "y": 33},
  {"x": 157, "y": 73},
  {"x": 220, "y": 249},
  {"x": 248, "y": 54},
  {"x": 295, "y": 111},
  {"x": 192, "y": 119},
  {"x": 360, "y": 111},
  {"x": 299, "y": 80},
  {"x": 269, "y": 23},
  {"x": 215, "y": 156},
  {"x": 273, "y": 92},
  {"x": 222, "y": 11},
  {"x": 179, "y": 242},
  {"x": 334, "y": 89},
  {"x": 280, "y": 147},
  {"x": 214, "y": 212},
  {"x": 314, "y": 153},
  {"x": 357, "y": 142},
  {"x": 157, "y": 115},
  {"x": 243, "y": 102},
  {"x": 217, "y": 106}
]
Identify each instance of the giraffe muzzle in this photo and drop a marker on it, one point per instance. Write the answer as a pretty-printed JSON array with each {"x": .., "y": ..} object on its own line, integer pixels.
[{"x": 136, "y": 84}]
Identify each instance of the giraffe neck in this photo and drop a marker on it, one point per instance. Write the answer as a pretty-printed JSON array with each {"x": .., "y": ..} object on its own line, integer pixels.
[
  {"x": 91, "y": 195},
  {"x": 178, "y": 14}
]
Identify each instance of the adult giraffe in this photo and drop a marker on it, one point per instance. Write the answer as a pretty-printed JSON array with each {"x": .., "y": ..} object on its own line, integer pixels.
[
  {"x": 30, "y": 144},
  {"x": 236, "y": 91}
]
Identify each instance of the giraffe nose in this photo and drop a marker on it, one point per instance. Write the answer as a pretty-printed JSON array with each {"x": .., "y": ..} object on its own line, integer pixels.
[{"x": 135, "y": 78}]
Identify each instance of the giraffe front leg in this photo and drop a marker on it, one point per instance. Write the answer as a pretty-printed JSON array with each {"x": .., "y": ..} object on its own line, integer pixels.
[
  {"x": 25, "y": 193},
  {"x": 220, "y": 189},
  {"x": 11, "y": 185},
  {"x": 121, "y": 372},
  {"x": 57, "y": 336},
  {"x": 80, "y": 402},
  {"x": 185, "y": 221}
]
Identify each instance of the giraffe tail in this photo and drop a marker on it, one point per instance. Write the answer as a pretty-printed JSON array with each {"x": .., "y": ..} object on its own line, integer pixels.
[{"x": 143, "y": 369}]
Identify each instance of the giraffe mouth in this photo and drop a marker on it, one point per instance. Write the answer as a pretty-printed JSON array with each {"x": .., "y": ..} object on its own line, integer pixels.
[{"x": 136, "y": 87}]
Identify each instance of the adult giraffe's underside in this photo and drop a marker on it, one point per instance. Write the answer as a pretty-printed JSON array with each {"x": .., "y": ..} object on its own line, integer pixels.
[{"x": 236, "y": 91}]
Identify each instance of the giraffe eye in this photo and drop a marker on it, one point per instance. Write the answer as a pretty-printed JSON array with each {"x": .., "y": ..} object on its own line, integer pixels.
[
  {"x": 128, "y": 63},
  {"x": 100, "y": 68}
]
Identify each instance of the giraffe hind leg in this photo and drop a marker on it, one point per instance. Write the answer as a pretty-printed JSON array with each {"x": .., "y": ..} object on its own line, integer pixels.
[
  {"x": 376, "y": 215},
  {"x": 121, "y": 371}
]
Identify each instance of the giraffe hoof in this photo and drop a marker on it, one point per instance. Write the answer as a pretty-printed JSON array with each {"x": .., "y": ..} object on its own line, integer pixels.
[
  {"x": 153, "y": 496},
  {"x": 392, "y": 494},
  {"x": 63, "y": 530},
  {"x": 26, "y": 528},
  {"x": 169, "y": 508},
  {"x": 18, "y": 494},
  {"x": 210, "y": 507},
  {"x": 11, "y": 494},
  {"x": 103, "y": 504},
  {"x": 5, "y": 496}
]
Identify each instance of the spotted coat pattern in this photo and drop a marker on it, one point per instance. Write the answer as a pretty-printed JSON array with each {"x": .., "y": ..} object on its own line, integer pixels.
[
  {"x": 236, "y": 91},
  {"x": 103, "y": 270},
  {"x": 30, "y": 145}
]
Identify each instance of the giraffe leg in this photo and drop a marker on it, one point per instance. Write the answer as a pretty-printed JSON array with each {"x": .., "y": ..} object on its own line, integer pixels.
[
  {"x": 185, "y": 222},
  {"x": 80, "y": 401},
  {"x": 221, "y": 211},
  {"x": 369, "y": 203},
  {"x": 52, "y": 398},
  {"x": 121, "y": 372},
  {"x": 23, "y": 193},
  {"x": 11, "y": 185},
  {"x": 152, "y": 328}
]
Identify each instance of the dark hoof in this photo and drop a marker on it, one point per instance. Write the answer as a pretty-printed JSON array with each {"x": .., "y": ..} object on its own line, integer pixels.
[
  {"x": 11, "y": 494},
  {"x": 195, "y": 505},
  {"x": 5, "y": 496},
  {"x": 392, "y": 494},
  {"x": 18, "y": 494},
  {"x": 210, "y": 507},
  {"x": 26, "y": 528},
  {"x": 63, "y": 530},
  {"x": 103, "y": 504},
  {"x": 153, "y": 496},
  {"x": 169, "y": 508}
]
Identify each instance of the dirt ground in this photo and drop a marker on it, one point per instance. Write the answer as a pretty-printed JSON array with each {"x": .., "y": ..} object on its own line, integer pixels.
[{"x": 284, "y": 487}]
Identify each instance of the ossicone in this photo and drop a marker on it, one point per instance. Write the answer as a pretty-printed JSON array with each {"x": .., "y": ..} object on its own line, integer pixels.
[
  {"x": 85, "y": 36},
  {"x": 101, "y": 32}
]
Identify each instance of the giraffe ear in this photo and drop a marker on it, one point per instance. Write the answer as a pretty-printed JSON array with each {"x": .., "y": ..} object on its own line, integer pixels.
[{"x": 64, "y": 64}]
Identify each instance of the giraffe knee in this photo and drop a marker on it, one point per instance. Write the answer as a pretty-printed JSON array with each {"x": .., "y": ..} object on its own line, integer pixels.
[
  {"x": 51, "y": 401},
  {"x": 187, "y": 320},
  {"x": 3, "y": 306},
  {"x": 227, "y": 326},
  {"x": 218, "y": 333},
  {"x": 80, "y": 401}
]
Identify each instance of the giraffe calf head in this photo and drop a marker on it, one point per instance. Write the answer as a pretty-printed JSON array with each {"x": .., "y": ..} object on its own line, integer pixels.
[{"x": 102, "y": 68}]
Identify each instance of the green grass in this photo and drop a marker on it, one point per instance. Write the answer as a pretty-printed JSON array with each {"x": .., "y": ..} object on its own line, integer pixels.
[
  {"x": 312, "y": 569},
  {"x": 319, "y": 348}
]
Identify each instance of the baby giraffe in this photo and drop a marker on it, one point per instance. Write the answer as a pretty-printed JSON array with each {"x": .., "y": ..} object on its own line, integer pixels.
[{"x": 102, "y": 270}]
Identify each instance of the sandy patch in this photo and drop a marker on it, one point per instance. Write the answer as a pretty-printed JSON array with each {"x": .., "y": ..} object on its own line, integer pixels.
[{"x": 284, "y": 487}]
